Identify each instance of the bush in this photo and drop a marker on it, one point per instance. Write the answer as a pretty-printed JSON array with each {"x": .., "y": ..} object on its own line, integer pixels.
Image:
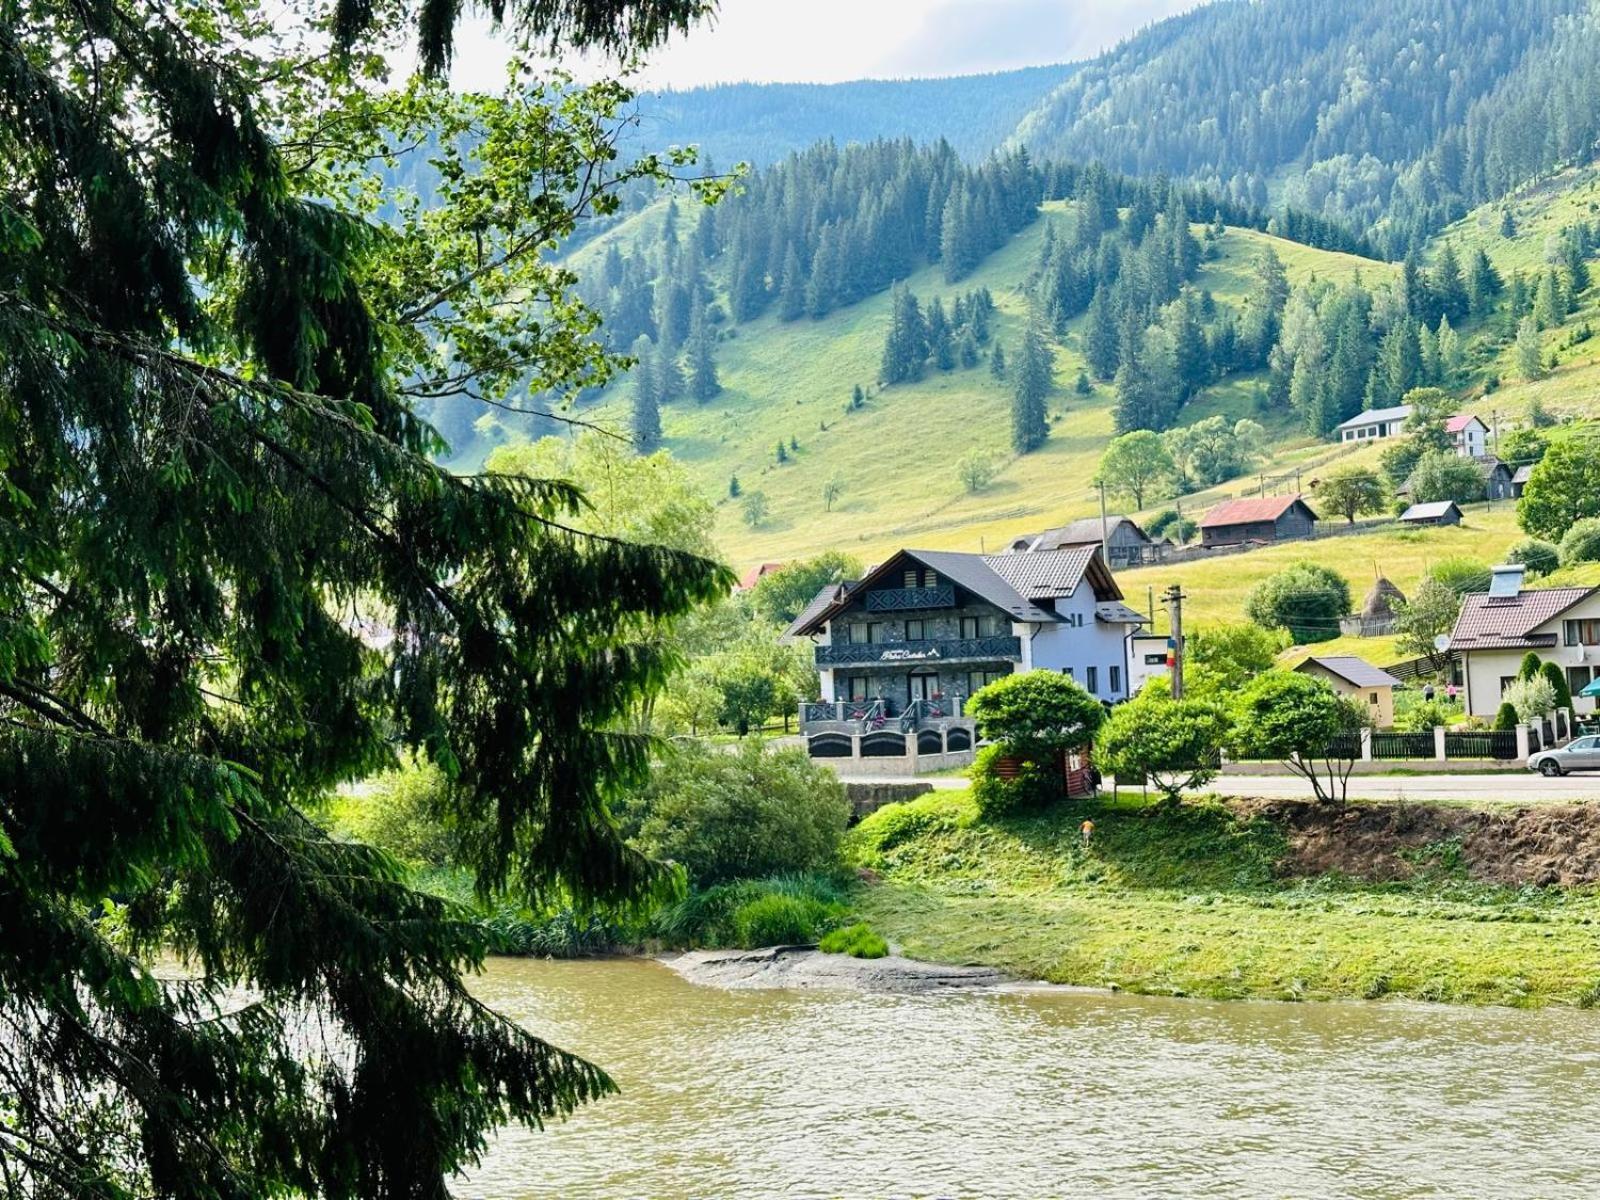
[
  {"x": 1531, "y": 698},
  {"x": 1306, "y": 598},
  {"x": 1445, "y": 475},
  {"x": 1505, "y": 719},
  {"x": 858, "y": 941},
  {"x": 735, "y": 815},
  {"x": 755, "y": 912},
  {"x": 1033, "y": 785},
  {"x": 1557, "y": 679},
  {"x": 1460, "y": 574},
  {"x": 1581, "y": 543},
  {"x": 1036, "y": 714},
  {"x": 1536, "y": 555},
  {"x": 401, "y": 813},
  {"x": 1420, "y": 718},
  {"x": 1175, "y": 744}
]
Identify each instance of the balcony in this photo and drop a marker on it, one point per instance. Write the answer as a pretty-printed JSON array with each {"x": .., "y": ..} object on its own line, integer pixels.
[
  {"x": 987, "y": 649},
  {"x": 908, "y": 599},
  {"x": 868, "y": 715}
]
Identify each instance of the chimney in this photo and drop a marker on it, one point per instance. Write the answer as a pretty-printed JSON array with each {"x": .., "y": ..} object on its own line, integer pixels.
[{"x": 1505, "y": 579}]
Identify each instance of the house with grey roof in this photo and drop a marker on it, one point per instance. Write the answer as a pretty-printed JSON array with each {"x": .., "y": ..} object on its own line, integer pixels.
[
  {"x": 1125, "y": 543},
  {"x": 899, "y": 651},
  {"x": 1360, "y": 680},
  {"x": 1439, "y": 512},
  {"x": 1495, "y": 629},
  {"x": 1374, "y": 423}
]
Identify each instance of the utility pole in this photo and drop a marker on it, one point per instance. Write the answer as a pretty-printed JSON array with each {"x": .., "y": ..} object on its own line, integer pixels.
[
  {"x": 1105, "y": 539},
  {"x": 1173, "y": 598}
]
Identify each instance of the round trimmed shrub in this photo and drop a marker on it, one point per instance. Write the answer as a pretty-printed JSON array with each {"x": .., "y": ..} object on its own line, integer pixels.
[
  {"x": 1032, "y": 785},
  {"x": 1581, "y": 543},
  {"x": 1505, "y": 720},
  {"x": 1538, "y": 556}
]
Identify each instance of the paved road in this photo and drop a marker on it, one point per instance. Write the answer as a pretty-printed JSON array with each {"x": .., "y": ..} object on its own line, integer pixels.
[{"x": 1508, "y": 788}]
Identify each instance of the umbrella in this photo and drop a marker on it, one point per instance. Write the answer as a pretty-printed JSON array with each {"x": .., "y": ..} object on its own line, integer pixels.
[{"x": 1593, "y": 689}]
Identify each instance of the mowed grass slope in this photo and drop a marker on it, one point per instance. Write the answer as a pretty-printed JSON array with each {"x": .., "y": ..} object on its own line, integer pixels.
[{"x": 895, "y": 460}]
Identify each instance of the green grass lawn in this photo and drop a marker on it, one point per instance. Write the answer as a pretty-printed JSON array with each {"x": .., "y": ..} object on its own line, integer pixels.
[{"x": 1189, "y": 902}]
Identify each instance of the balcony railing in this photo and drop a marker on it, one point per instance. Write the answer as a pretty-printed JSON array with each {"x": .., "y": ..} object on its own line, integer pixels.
[
  {"x": 873, "y": 714},
  {"x": 906, "y": 599},
  {"x": 888, "y": 653}
]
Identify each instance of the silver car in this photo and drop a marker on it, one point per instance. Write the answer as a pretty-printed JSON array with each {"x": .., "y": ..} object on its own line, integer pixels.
[{"x": 1580, "y": 754}]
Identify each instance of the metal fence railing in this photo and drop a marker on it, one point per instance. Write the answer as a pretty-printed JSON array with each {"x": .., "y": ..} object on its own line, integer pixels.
[
  {"x": 1501, "y": 745},
  {"x": 1403, "y": 747}
]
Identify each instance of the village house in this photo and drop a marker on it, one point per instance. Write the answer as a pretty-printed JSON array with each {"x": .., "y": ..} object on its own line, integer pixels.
[
  {"x": 1497, "y": 480},
  {"x": 755, "y": 575},
  {"x": 1469, "y": 435},
  {"x": 1125, "y": 543},
  {"x": 1358, "y": 679},
  {"x": 1498, "y": 627},
  {"x": 899, "y": 651},
  {"x": 1440, "y": 512},
  {"x": 1258, "y": 519},
  {"x": 1374, "y": 423}
]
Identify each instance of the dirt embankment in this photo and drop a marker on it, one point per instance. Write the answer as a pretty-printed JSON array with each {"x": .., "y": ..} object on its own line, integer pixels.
[{"x": 1551, "y": 845}]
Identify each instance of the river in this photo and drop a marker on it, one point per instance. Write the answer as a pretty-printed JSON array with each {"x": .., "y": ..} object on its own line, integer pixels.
[{"x": 823, "y": 1094}]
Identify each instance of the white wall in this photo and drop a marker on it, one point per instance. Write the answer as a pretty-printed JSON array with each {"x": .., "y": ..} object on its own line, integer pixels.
[
  {"x": 1138, "y": 672},
  {"x": 1485, "y": 668},
  {"x": 1080, "y": 642}
]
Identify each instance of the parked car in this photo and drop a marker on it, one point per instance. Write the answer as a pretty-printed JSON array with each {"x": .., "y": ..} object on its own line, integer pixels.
[{"x": 1580, "y": 754}]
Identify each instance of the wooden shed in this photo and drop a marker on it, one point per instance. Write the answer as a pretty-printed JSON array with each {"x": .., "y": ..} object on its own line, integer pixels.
[{"x": 1258, "y": 519}]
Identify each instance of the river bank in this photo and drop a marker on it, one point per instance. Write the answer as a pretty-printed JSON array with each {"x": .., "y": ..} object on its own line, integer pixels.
[{"x": 1248, "y": 899}]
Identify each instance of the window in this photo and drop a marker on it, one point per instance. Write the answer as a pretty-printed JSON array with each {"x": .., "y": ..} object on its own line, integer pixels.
[
  {"x": 1067, "y": 671},
  {"x": 1155, "y": 660},
  {"x": 855, "y": 687},
  {"x": 1116, "y": 680},
  {"x": 915, "y": 631},
  {"x": 1583, "y": 633},
  {"x": 1091, "y": 678},
  {"x": 866, "y": 633},
  {"x": 911, "y": 577},
  {"x": 930, "y": 578},
  {"x": 1505, "y": 682},
  {"x": 1578, "y": 678},
  {"x": 978, "y": 679},
  {"x": 971, "y": 627},
  {"x": 1372, "y": 699}
]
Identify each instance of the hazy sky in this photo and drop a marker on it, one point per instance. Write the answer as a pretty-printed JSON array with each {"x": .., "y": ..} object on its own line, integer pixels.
[{"x": 830, "y": 40}]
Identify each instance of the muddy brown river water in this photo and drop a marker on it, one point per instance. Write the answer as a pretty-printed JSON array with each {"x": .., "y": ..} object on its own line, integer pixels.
[{"x": 847, "y": 1094}]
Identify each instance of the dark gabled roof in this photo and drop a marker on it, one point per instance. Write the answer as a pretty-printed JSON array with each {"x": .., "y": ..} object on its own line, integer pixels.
[
  {"x": 1488, "y": 465},
  {"x": 1523, "y": 473},
  {"x": 1115, "y": 612},
  {"x": 1084, "y": 532},
  {"x": 1252, "y": 510},
  {"x": 1357, "y": 672},
  {"x": 1430, "y": 512},
  {"x": 1508, "y": 622},
  {"x": 1011, "y": 582},
  {"x": 826, "y": 595}
]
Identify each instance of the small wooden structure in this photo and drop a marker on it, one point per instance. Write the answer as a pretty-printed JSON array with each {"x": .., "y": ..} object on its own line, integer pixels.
[
  {"x": 1440, "y": 512},
  {"x": 1258, "y": 519}
]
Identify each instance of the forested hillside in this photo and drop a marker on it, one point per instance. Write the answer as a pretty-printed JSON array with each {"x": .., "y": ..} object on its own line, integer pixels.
[
  {"x": 1401, "y": 114},
  {"x": 760, "y": 123}
]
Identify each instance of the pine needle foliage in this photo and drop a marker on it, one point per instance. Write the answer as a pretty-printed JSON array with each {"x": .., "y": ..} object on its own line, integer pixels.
[{"x": 210, "y": 476}]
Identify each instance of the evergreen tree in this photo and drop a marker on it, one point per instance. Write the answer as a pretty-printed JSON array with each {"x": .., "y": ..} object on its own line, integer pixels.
[
  {"x": 792, "y": 291},
  {"x": 968, "y": 352},
  {"x": 997, "y": 361},
  {"x": 1082, "y": 386},
  {"x": 906, "y": 347},
  {"x": 1508, "y": 225},
  {"x": 1549, "y": 302},
  {"x": 1399, "y": 365},
  {"x": 1030, "y": 425},
  {"x": 211, "y": 467},
  {"x": 669, "y": 381},
  {"x": 1529, "y": 350},
  {"x": 646, "y": 423},
  {"x": 734, "y": 490},
  {"x": 1448, "y": 288},
  {"x": 1101, "y": 341},
  {"x": 781, "y": 454},
  {"x": 703, "y": 381},
  {"x": 1450, "y": 353},
  {"x": 857, "y": 397},
  {"x": 1484, "y": 284}
]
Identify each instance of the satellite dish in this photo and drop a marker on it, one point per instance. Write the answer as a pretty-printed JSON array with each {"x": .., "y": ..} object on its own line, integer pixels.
[{"x": 1442, "y": 642}]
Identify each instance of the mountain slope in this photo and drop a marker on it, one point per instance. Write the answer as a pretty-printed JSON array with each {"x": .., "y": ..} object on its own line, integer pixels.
[{"x": 759, "y": 123}]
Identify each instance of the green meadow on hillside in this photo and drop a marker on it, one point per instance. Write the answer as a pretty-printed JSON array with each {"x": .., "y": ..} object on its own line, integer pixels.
[{"x": 895, "y": 460}]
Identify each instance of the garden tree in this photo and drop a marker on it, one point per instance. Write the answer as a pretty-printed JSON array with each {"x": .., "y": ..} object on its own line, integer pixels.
[
  {"x": 754, "y": 812},
  {"x": 1581, "y": 543},
  {"x": 832, "y": 489},
  {"x": 1446, "y": 475},
  {"x": 1036, "y": 715},
  {"x": 750, "y": 693},
  {"x": 1030, "y": 389},
  {"x": 1529, "y": 351},
  {"x": 976, "y": 470},
  {"x": 1221, "y": 659},
  {"x": 781, "y": 595},
  {"x": 1175, "y": 744},
  {"x": 692, "y": 705},
  {"x": 1429, "y": 611},
  {"x": 1505, "y": 717},
  {"x": 1531, "y": 667},
  {"x": 1533, "y": 698},
  {"x": 1562, "y": 489},
  {"x": 1350, "y": 491},
  {"x": 755, "y": 509},
  {"x": 1536, "y": 556},
  {"x": 649, "y": 499},
  {"x": 1306, "y": 598},
  {"x": 1302, "y": 722},
  {"x": 1135, "y": 465},
  {"x": 212, "y": 469},
  {"x": 1557, "y": 679}
]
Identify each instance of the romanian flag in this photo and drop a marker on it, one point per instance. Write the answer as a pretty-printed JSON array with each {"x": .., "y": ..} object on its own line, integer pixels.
[{"x": 1172, "y": 655}]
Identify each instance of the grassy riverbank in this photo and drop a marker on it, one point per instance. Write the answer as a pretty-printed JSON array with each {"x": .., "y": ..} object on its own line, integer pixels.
[{"x": 1204, "y": 901}]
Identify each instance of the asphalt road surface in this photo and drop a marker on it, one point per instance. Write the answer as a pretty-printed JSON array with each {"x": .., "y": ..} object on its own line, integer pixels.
[{"x": 1510, "y": 787}]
